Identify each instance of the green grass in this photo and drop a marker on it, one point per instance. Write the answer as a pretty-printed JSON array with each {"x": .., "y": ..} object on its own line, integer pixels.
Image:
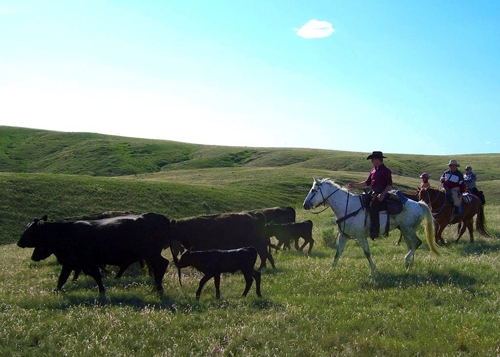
[{"x": 446, "y": 306}]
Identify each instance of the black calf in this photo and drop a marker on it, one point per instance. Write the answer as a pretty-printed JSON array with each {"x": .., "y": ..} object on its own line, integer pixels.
[{"x": 215, "y": 261}]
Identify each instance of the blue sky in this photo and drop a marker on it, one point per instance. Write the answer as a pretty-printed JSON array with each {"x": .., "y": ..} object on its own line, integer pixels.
[{"x": 416, "y": 77}]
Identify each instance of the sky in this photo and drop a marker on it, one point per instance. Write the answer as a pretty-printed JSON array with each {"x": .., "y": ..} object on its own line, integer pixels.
[{"x": 398, "y": 76}]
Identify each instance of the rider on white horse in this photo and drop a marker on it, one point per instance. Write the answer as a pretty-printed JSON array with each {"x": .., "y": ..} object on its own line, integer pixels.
[{"x": 380, "y": 180}]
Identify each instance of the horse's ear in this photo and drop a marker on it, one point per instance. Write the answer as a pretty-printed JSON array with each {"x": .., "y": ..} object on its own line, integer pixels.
[{"x": 45, "y": 218}]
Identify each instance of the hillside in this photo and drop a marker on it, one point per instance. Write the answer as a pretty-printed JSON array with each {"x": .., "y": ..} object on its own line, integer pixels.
[
  {"x": 40, "y": 151},
  {"x": 74, "y": 174}
]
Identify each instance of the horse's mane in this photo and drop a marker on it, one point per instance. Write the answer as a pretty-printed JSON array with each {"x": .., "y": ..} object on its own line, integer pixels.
[
  {"x": 333, "y": 183},
  {"x": 433, "y": 189}
]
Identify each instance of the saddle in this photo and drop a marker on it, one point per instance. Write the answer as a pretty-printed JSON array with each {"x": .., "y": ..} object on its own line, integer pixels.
[
  {"x": 466, "y": 197},
  {"x": 393, "y": 203}
]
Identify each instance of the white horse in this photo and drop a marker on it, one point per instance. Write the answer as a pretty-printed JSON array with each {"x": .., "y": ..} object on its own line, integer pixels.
[{"x": 354, "y": 221}]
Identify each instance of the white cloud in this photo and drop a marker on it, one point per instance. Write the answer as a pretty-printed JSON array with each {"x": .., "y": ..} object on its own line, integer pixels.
[{"x": 315, "y": 29}]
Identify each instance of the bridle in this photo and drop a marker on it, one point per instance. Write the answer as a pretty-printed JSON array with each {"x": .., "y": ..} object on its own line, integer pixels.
[
  {"x": 339, "y": 220},
  {"x": 323, "y": 197},
  {"x": 434, "y": 200}
]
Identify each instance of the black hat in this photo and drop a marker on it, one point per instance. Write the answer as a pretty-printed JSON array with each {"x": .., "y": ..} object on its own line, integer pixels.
[{"x": 376, "y": 155}]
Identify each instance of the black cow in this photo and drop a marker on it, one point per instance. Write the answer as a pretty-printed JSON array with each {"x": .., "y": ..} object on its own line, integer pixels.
[
  {"x": 89, "y": 244},
  {"x": 286, "y": 232},
  {"x": 222, "y": 231},
  {"x": 277, "y": 214},
  {"x": 106, "y": 214},
  {"x": 214, "y": 262}
]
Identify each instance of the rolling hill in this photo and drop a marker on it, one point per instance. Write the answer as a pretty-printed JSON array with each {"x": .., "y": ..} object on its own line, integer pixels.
[{"x": 73, "y": 174}]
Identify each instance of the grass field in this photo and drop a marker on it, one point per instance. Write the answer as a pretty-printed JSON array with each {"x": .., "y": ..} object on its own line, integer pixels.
[{"x": 445, "y": 306}]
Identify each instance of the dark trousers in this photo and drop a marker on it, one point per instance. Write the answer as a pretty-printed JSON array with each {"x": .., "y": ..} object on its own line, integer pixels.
[{"x": 374, "y": 217}]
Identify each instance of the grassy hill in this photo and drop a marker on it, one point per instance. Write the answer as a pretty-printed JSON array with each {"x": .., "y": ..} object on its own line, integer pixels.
[
  {"x": 74, "y": 174},
  {"x": 40, "y": 151}
]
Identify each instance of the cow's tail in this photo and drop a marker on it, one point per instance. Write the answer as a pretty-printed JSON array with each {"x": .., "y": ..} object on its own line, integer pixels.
[
  {"x": 481, "y": 222},
  {"x": 176, "y": 262},
  {"x": 429, "y": 227}
]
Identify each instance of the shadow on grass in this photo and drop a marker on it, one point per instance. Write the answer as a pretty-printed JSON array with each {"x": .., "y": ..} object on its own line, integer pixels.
[
  {"x": 167, "y": 302},
  {"x": 129, "y": 292},
  {"x": 479, "y": 247},
  {"x": 406, "y": 280}
]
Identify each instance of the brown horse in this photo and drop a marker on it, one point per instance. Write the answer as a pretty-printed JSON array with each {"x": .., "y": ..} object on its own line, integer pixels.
[{"x": 444, "y": 214}]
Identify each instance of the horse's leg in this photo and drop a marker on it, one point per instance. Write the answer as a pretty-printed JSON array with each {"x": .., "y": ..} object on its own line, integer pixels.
[
  {"x": 400, "y": 237},
  {"x": 366, "y": 248},
  {"x": 342, "y": 240},
  {"x": 471, "y": 230},
  {"x": 412, "y": 242},
  {"x": 439, "y": 230},
  {"x": 461, "y": 229}
]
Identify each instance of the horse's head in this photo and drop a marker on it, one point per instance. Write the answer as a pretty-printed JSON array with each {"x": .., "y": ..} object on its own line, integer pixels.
[
  {"x": 428, "y": 195},
  {"x": 319, "y": 192}
]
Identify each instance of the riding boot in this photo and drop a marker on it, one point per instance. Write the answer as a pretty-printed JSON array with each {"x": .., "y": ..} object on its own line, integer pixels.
[{"x": 374, "y": 218}]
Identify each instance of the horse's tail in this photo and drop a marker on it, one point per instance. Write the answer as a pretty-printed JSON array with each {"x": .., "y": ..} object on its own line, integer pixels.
[
  {"x": 481, "y": 222},
  {"x": 429, "y": 227}
]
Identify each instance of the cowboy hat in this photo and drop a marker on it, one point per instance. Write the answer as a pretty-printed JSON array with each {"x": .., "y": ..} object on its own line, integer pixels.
[
  {"x": 376, "y": 155},
  {"x": 453, "y": 162}
]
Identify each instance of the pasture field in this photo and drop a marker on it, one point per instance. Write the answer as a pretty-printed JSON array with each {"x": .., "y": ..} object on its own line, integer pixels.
[
  {"x": 443, "y": 306},
  {"x": 446, "y": 306}
]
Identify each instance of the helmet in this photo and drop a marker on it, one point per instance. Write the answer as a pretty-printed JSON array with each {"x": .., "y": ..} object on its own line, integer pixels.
[
  {"x": 468, "y": 167},
  {"x": 424, "y": 175}
]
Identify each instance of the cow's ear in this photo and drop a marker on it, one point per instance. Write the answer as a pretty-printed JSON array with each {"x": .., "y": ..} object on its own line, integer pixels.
[{"x": 45, "y": 218}]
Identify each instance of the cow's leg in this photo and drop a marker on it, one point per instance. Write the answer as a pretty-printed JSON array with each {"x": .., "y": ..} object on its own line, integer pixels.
[
  {"x": 217, "y": 285},
  {"x": 121, "y": 271},
  {"x": 159, "y": 267},
  {"x": 248, "y": 281},
  {"x": 95, "y": 273},
  {"x": 276, "y": 247},
  {"x": 63, "y": 277},
  {"x": 264, "y": 256},
  {"x": 77, "y": 274},
  {"x": 296, "y": 239},
  {"x": 311, "y": 243},
  {"x": 256, "y": 275},
  {"x": 271, "y": 260},
  {"x": 203, "y": 281}
]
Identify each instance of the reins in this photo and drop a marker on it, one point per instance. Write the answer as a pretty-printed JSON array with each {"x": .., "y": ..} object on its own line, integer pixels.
[
  {"x": 324, "y": 200},
  {"x": 432, "y": 201},
  {"x": 346, "y": 216}
]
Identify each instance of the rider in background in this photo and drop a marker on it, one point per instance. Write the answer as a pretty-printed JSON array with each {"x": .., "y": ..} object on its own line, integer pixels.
[
  {"x": 470, "y": 181},
  {"x": 380, "y": 180},
  {"x": 425, "y": 180},
  {"x": 453, "y": 183}
]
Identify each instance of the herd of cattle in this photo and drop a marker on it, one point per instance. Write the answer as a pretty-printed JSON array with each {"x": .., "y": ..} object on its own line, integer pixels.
[{"x": 213, "y": 244}]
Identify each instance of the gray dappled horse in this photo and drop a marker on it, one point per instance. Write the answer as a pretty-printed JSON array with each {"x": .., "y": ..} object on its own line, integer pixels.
[{"x": 353, "y": 219}]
